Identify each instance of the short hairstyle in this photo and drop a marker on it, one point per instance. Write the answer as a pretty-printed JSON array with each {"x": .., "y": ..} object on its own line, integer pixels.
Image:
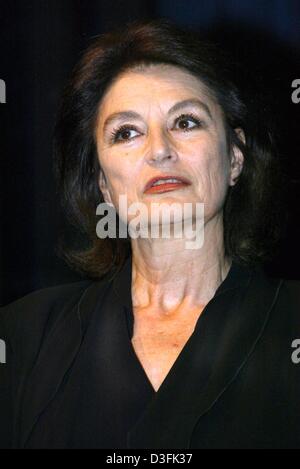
[{"x": 251, "y": 216}]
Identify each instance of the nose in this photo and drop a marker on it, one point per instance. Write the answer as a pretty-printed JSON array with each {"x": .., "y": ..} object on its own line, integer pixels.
[{"x": 161, "y": 150}]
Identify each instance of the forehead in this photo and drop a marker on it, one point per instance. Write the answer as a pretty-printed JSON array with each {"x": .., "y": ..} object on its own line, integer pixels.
[{"x": 151, "y": 85}]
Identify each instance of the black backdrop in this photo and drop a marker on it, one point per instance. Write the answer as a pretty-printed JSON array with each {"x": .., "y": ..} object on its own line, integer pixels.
[{"x": 40, "y": 41}]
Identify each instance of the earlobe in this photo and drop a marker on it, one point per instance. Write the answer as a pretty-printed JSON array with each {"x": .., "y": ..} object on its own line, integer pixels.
[
  {"x": 103, "y": 187},
  {"x": 240, "y": 134},
  {"x": 237, "y": 159}
]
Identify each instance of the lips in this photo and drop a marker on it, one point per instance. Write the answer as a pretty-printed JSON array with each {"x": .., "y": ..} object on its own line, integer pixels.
[{"x": 167, "y": 183}]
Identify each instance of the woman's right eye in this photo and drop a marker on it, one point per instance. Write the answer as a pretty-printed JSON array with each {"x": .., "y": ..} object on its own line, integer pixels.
[{"x": 123, "y": 134}]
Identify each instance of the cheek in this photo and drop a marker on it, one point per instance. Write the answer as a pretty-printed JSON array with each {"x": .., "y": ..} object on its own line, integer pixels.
[
  {"x": 213, "y": 171},
  {"x": 116, "y": 173},
  {"x": 121, "y": 180}
]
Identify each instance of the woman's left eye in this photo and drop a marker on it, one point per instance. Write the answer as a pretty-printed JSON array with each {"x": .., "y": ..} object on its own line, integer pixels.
[{"x": 187, "y": 122}]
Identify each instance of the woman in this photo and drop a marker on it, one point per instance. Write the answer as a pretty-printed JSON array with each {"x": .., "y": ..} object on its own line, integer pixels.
[{"x": 164, "y": 346}]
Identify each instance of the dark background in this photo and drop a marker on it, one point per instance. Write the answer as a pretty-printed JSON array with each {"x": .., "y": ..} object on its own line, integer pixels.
[{"x": 40, "y": 41}]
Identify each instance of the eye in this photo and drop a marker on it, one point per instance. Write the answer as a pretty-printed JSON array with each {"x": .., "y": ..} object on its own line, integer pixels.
[
  {"x": 123, "y": 134},
  {"x": 188, "y": 122}
]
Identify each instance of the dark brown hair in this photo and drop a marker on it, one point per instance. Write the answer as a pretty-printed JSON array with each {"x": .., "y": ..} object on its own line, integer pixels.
[{"x": 251, "y": 217}]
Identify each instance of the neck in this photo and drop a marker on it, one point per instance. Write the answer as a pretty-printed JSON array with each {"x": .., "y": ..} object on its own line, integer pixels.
[{"x": 167, "y": 277}]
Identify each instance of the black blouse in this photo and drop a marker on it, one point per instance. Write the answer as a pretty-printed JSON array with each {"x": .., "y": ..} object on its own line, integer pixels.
[
  {"x": 232, "y": 386},
  {"x": 107, "y": 390}
]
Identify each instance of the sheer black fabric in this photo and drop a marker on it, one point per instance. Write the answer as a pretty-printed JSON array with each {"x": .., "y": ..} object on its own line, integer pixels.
[{"x": 106, "y": 390}]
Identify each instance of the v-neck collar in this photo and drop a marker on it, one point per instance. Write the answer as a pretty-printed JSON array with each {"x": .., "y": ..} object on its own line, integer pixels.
[
  {"x": 237, "y": 276},
  {"x": 224, "y": 338},
  {"x": 227, "y": 333}
]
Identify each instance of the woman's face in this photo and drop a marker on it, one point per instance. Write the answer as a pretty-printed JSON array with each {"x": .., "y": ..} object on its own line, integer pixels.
[{"x": 161, "y": 121}]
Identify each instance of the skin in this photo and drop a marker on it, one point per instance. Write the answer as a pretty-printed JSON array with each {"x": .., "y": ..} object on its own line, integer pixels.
[{"x": 170, "y": 284}]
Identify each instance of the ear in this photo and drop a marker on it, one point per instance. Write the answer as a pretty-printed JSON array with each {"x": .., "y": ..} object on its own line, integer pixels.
[
  {"x": 103, "y": 187},
  {"x": 237, "y": 159}
]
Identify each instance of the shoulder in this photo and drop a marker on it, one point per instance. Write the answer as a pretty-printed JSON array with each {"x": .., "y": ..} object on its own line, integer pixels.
[
  {"x": 27, "y": 323},
  {"x": 289, "y": 298},
  {"x": 34, "y": 310},
  {"x": 285, "y": 292},
  {"x": 283, "y": 324},
  {"x": 277, "y": 298},
  {"x": 292, "y": 288}
]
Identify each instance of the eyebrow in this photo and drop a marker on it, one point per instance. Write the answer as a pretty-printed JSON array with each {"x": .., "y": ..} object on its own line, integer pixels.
[{"x": 126, "y": 115}]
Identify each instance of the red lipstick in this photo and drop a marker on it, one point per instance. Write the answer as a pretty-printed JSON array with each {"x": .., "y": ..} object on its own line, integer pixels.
[{"x": 157, "y": 185}]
